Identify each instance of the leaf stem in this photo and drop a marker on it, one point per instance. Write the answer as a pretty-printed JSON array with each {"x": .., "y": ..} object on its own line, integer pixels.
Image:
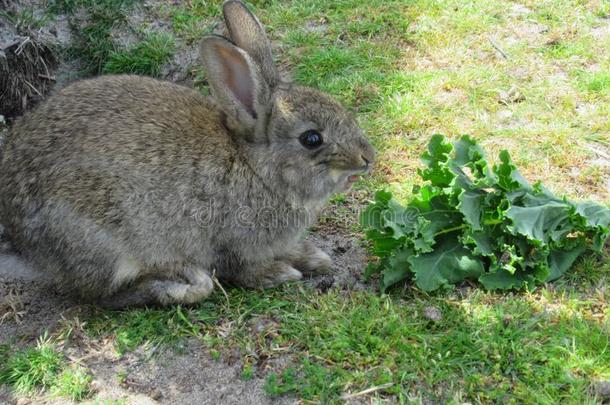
[
  {"x": 493, "y": 222},
  {"x": 455, "y": 228}
]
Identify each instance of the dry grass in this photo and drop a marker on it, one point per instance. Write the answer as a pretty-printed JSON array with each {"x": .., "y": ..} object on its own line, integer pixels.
[{"x": 27, "y": 61}]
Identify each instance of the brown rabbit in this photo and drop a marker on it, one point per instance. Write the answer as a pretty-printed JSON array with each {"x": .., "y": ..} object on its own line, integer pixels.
[{"x": 136, "y": 191}]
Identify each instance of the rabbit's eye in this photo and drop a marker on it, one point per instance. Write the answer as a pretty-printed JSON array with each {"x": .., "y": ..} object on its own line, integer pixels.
[{"x": 311, "y": 139}]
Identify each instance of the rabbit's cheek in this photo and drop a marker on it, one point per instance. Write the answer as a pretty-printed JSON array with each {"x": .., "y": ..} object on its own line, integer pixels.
[{"x": 336, "y": 175}]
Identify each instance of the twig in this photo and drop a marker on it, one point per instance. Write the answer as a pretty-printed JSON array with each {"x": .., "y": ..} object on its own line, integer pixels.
[
  {"x": 366, "y": 391},
  {"x": 33, "y": 88},
  {"x": 215, "y": 280},
  {"x": 22, "y": 45},
  {"x": 52, "y": 78},
  {"x": 497, "y": 48}
]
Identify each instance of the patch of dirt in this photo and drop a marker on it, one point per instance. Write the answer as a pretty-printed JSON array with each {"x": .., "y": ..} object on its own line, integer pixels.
[
  {"x": 349, "y": 261},
  {"x": 191, "y": 377},
  {"x": 29, "y": 303},
  {"x": 450, "y": 96},
  {"x": 602, "y": 32},
  {"x": 145, "y": 378}
]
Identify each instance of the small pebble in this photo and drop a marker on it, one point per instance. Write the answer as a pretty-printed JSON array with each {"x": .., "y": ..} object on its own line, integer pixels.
[
  {"x": 340, "y": 249},
  {"x": 155, "y": 394},
  {"x": 433, "y": 314}
]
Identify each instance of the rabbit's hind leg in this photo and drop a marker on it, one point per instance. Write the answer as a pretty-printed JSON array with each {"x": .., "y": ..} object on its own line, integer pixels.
[
  {"x": 196, "y": 286},
  {"x": 267, "y": 275},
  {"x": 308, "y": 258}
]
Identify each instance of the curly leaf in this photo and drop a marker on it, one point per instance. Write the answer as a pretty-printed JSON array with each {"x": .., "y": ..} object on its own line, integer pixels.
[
  {"x": 469, "y": 154},
  {"x": 541, "y": 223},
  {"x": 470, "y": 221},
  {"x": 470, "y": 206},
  {"x": 561, "y": 260},
  {"x": 594, "y": 214},
  {"x": 509, "y": 178},
  {"x": 397, "y": 268},
  {"x": 448, "y": 264},
  {"x": 436, "y": 158}
]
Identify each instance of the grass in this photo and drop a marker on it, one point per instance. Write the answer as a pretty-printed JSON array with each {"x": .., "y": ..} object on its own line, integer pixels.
[
  {"x": 24, "y": 20},
  {"x": 97, "y": 27},
  {"x": 548, "y": 346},
  {"x": 43, "y": 367},
  {"x": 192, "y": 20},
  {"x": 145, "y": 58},
  {"x": 72, "y": 382},
  {"x": 407, "y": 69}
]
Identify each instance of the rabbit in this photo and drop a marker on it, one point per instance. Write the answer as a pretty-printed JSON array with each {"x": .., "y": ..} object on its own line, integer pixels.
[{"x": 132, "y": 191}]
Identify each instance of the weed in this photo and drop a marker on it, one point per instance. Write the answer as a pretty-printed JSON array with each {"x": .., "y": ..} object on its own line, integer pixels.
[
  {"x": 137, "y": 327},
  {"x": 43, "y": 367},
  {"x": 597, "y": 83},
  {"x": 247, "y": 373}
]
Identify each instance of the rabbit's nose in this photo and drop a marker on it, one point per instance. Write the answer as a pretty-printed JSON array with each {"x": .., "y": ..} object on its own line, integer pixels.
[
  {"x": 364, "y": 162},
  {"x": 368, "y": 154}
]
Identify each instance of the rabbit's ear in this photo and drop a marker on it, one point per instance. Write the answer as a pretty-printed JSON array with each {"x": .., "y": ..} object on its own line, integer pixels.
[
  {"x": 248, "y": 33},
  {"x": 234, "y": 81}
]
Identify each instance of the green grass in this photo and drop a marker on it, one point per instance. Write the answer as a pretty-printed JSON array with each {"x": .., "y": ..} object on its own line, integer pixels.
[
  {"x": 597, "y": 83},
  {"x": 26, "y": 370},
  {"x": 194, "y": 19},
  {"x": 134, "y": 328},
  {"x": 73, "y": 383},
  {"x": 145, "y": 58},
  {"x": 24, "y": 19},
  {"x": 44, "y": 367},
  {"x": 95, "y": 24},
  {"x": 93, "y": 42},
  {"x": 408, "y": 69},
  {"x": 375, "y": 342}
]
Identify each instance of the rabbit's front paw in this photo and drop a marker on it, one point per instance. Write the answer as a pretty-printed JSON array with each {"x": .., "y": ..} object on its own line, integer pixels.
[{"x": 309, "y": 259}]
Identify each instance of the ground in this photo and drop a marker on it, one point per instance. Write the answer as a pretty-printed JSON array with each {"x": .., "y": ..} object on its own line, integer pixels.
[{"x": 532, "y": 77}]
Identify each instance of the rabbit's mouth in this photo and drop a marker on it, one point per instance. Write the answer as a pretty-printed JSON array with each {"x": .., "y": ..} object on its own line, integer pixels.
[
  {"x": 349, "y": 181},
  {"x": 345, "y": 179}
]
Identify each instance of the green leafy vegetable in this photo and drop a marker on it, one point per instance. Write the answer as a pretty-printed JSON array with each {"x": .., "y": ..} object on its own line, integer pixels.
[{"x": 471, "y": 220}]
